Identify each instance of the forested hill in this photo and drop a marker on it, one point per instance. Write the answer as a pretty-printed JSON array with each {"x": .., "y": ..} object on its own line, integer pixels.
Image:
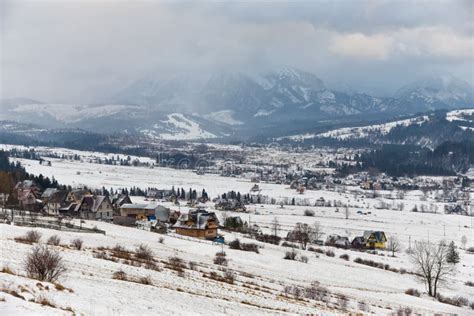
[{"x": 449, "y": 158}]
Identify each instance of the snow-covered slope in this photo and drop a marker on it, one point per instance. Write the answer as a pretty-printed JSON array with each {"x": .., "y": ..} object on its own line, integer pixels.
[{"x": 178, "y": 127}]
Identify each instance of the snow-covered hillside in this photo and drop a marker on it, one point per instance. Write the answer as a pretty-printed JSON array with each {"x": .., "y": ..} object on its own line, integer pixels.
[
  {"x": 178, "y": 127},
  {"x": 361, "y": 131}
]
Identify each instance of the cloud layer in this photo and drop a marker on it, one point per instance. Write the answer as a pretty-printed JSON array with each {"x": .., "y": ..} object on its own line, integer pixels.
[{"x": 76, "y": 51}]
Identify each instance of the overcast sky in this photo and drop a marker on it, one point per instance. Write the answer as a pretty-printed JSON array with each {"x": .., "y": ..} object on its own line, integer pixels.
[{"x": 59, "y": 51}]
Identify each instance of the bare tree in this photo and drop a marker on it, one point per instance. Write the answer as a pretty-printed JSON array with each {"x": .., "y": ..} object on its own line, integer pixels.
[
  {"x": 431, "y": 264},
  {"x": 317, "y": 232},
  {"x": 302, "y": 233},
  {"x": 346, "y": 211},
  {"x": 275, "y": 226},
  {"x": 393, "y": 245},
  {"x": 44, "y": 264}
]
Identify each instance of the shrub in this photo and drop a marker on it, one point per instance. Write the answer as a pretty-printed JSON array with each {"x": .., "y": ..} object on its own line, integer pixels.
[
  {"x": 316, "y": 292},
  {"x": 145, "y": 280},
  {"x": 235, "y": 244},
  {"x": 413, "y": 292},
  {"x": 344, "y": 256},
  {"x": 250, "y": 247},
  {"x": 308, "y": 213},
  {"x": 330, "y": 253},
  {"x": 77, "y": 243},
  {"x": 44, "y": 264},
  {"x": 271, "y": 239},
  {"x": 290, "y": 255},
  {"x": 7, "y": 270},
  {"x": 229, "y": 277},
  {"x": 30, "y": 237},
  {"x": 120, "y": 252},
  {"x": 456, "y": 301},
  {"x": 54, "y": 240},
  {"x": 318, "y": 250},
  {"x": 304, "y": 259},
  {"x": 144, "y": 252},
  {"x": 120, "y": 275},
  {"x": 220, "y": 259},
  {"x": 176, "y": 263},
  {"x": 161, "y": 240},
  {"x": 469, "y": 283},
  {"x": 470, "y": 250}
]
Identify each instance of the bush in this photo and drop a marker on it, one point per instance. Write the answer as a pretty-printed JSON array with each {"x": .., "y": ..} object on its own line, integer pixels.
[
  {"x": 176, "y": 263},
  {"x": 344, "y": 256},
  {"x": 120, "y": 252},
  {"x": 304, "y": 259},
  {"x": 54, "y": 240},
  {"x": 290, "y": 255},
  {"x": 235, "y": 244},
  {"x": 469, "y": 283},
  {"x": 161, "y": 240},
  {"x": 308, "y": 213},
  {"x": 330, "y": 253},
  {"x": 30, "y": 237},
  {"x": 44, "y": 264},
  {"x": 77, "y": 243},
  {"x": 120, "y": 275},
  {"x": 250, "y": 247},
  {"x": 145, "y": 280},
  {"x": 144, "y": 252},
  {"x": 229, "y": 277},
  {"x": 220, "y": 259},
  {"x": 318, "y": 250},
  {"x": 470, "y": 250},
  {"x": 456, "y": 301},
  {"x": 413, "y": 292},
  {"x": 271, "y": 239}
]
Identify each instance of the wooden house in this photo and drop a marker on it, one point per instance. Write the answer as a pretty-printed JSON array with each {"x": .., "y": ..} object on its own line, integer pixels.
[
  {"x": 198, "y": 223},
  {"x": 53, "y": 199},
  {"x": 375, "y": 239},
  {"x": 75, "y": 196},
  {"x": 95, "y": 207}
]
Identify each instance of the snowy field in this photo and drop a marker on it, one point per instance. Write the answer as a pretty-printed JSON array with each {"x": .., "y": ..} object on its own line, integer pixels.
[{"x": 95, "y": 292}]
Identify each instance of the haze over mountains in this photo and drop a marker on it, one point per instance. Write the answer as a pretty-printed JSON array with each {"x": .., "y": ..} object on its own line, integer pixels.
[{"x": 224, "y": 104}]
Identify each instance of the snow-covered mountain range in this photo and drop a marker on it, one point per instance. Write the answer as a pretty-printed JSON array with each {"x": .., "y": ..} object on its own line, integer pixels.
[{"x": 227, "y": 104}]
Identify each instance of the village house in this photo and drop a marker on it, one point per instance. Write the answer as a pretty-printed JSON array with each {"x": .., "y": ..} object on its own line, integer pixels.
[
  {"x": 118, "y": 200},
  {"x": 141, "y": 211},
  {"x": 198, "y": 223},
  {"x": 53, "y": 199},
  {"x": 75, "y": 196},
  {"x": 95, "y": 207},
  {"x": 375, "y": 239},
  {"x": 27, "y": 194}
]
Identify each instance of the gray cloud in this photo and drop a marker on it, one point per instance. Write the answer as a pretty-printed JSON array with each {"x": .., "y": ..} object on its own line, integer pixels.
[{"x": 72, "y": 51}]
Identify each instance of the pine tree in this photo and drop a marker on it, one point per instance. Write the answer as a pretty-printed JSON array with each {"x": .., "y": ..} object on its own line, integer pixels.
[{"x": 453, "y": 255}]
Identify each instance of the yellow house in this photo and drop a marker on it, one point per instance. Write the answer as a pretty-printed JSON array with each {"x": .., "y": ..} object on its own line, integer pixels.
[{"x": 375, "y": 239}]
